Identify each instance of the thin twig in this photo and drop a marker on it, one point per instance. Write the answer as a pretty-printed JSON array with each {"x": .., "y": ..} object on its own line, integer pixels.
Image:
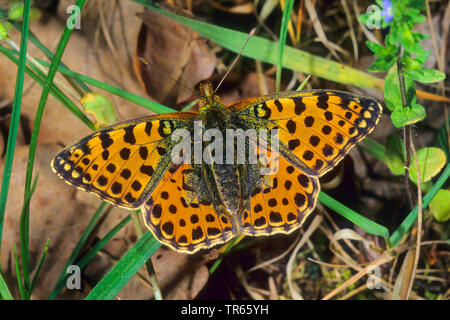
[
  {"x": 354, "y": 292},
  {"x": 407, "y": 131},
  {"x": 352, "y": 31},
  {"x": 391, "y": 277},
  {"x": 419, "y": 221}
]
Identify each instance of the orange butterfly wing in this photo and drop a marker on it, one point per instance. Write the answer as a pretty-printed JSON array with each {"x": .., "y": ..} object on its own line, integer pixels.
[
  {"x": 316, "y": 128},
  {"x": 282, "y": 198},
  {"x": 180, "y": 212},
  {"x": 122, "y": 163}
]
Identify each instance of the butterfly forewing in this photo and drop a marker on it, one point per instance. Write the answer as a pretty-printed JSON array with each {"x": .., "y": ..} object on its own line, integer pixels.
[
  {"x": 317, "y": 127},
  {"x": 122, "y": 163}
]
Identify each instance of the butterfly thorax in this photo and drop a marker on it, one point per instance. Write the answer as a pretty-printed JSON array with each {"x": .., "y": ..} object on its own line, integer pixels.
[
  {"x": 209, "y": 99},
  {"x": 213, "y": 113}
]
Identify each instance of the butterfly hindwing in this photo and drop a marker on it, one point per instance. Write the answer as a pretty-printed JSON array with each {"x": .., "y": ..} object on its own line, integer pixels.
[
  {"x": 122, "y": 163},
  {"x": 317, "y": 127},
  {"x": 281, "y": 199},
  {"x": 183, "y": 217}
]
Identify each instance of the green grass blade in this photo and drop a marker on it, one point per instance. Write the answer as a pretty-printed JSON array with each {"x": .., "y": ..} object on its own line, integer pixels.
[
  {"x": 404, "y": 227},
  {"x": 122, "y": 272},
  {"x": 222, "y": 256},
  {"x": 100, "y": 244},
  {"x": 149, "y": 264},
  {"x": 24, "y": 244},
  {"x": 4, "y": 291},
  {"x": 15, "y": 117},
  {"x": 19, "y": 278},
  {"x": 303, "y": 84},
  {"x": 76, "y": 251},
  {"x": 38, "y": 269},
  {"x": 265, "y": 50},
  {"x": 366, "y": 224},
  {"x": 146, "y": 103},
  {"x": 33, "y": 141},
  {"x": 374, "y": 148},
  {"x": 288, "y": 5}
]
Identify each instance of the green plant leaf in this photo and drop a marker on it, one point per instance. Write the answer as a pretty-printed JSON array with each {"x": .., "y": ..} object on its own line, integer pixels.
[
  {"x": 363, "y": 18},
  {"x": 423, "y": 57},
  {"x": 406, "y": 116},
  {"x": 16, "y": 9},
  {"x": 382, "y": 64},
  {"x": 420, "y": 36},
  {"x": 431, "y": 161},
  {"x": 417, "y": 17},
  {"x": 407, "y": 38},
  {"x": 440, "y": 205},
  {"x": 410, "y": 63},
  {"x": 392, "y": 95},
  {"x": 395, "y": 154},
  {"x": 100, "y": 108},
  {"x": 4, "y": 30},
  {"x": 426, "y": 75},
  {"x": 394, "y": 34},
  {"x": 374, "y": 47},
  {"x": 374, "y": 148}
]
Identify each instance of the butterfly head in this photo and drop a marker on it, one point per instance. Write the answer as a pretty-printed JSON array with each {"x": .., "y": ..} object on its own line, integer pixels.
[{"x": 208, "y": 97}]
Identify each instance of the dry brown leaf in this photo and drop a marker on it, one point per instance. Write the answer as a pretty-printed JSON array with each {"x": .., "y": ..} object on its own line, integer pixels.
[{"x": 175, "y": 53}]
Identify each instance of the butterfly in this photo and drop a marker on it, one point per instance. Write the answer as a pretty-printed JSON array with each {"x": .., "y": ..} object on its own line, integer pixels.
[{"x": 192, "y": 205}]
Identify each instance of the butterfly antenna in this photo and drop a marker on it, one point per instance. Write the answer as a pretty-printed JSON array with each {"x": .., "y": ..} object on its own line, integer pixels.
[
  {"x": 149, "y": 64},
  {"x": 251, "y": 34}
]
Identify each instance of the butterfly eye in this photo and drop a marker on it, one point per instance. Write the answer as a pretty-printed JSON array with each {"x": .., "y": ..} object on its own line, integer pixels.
[{"x": 217, "y": 99}]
